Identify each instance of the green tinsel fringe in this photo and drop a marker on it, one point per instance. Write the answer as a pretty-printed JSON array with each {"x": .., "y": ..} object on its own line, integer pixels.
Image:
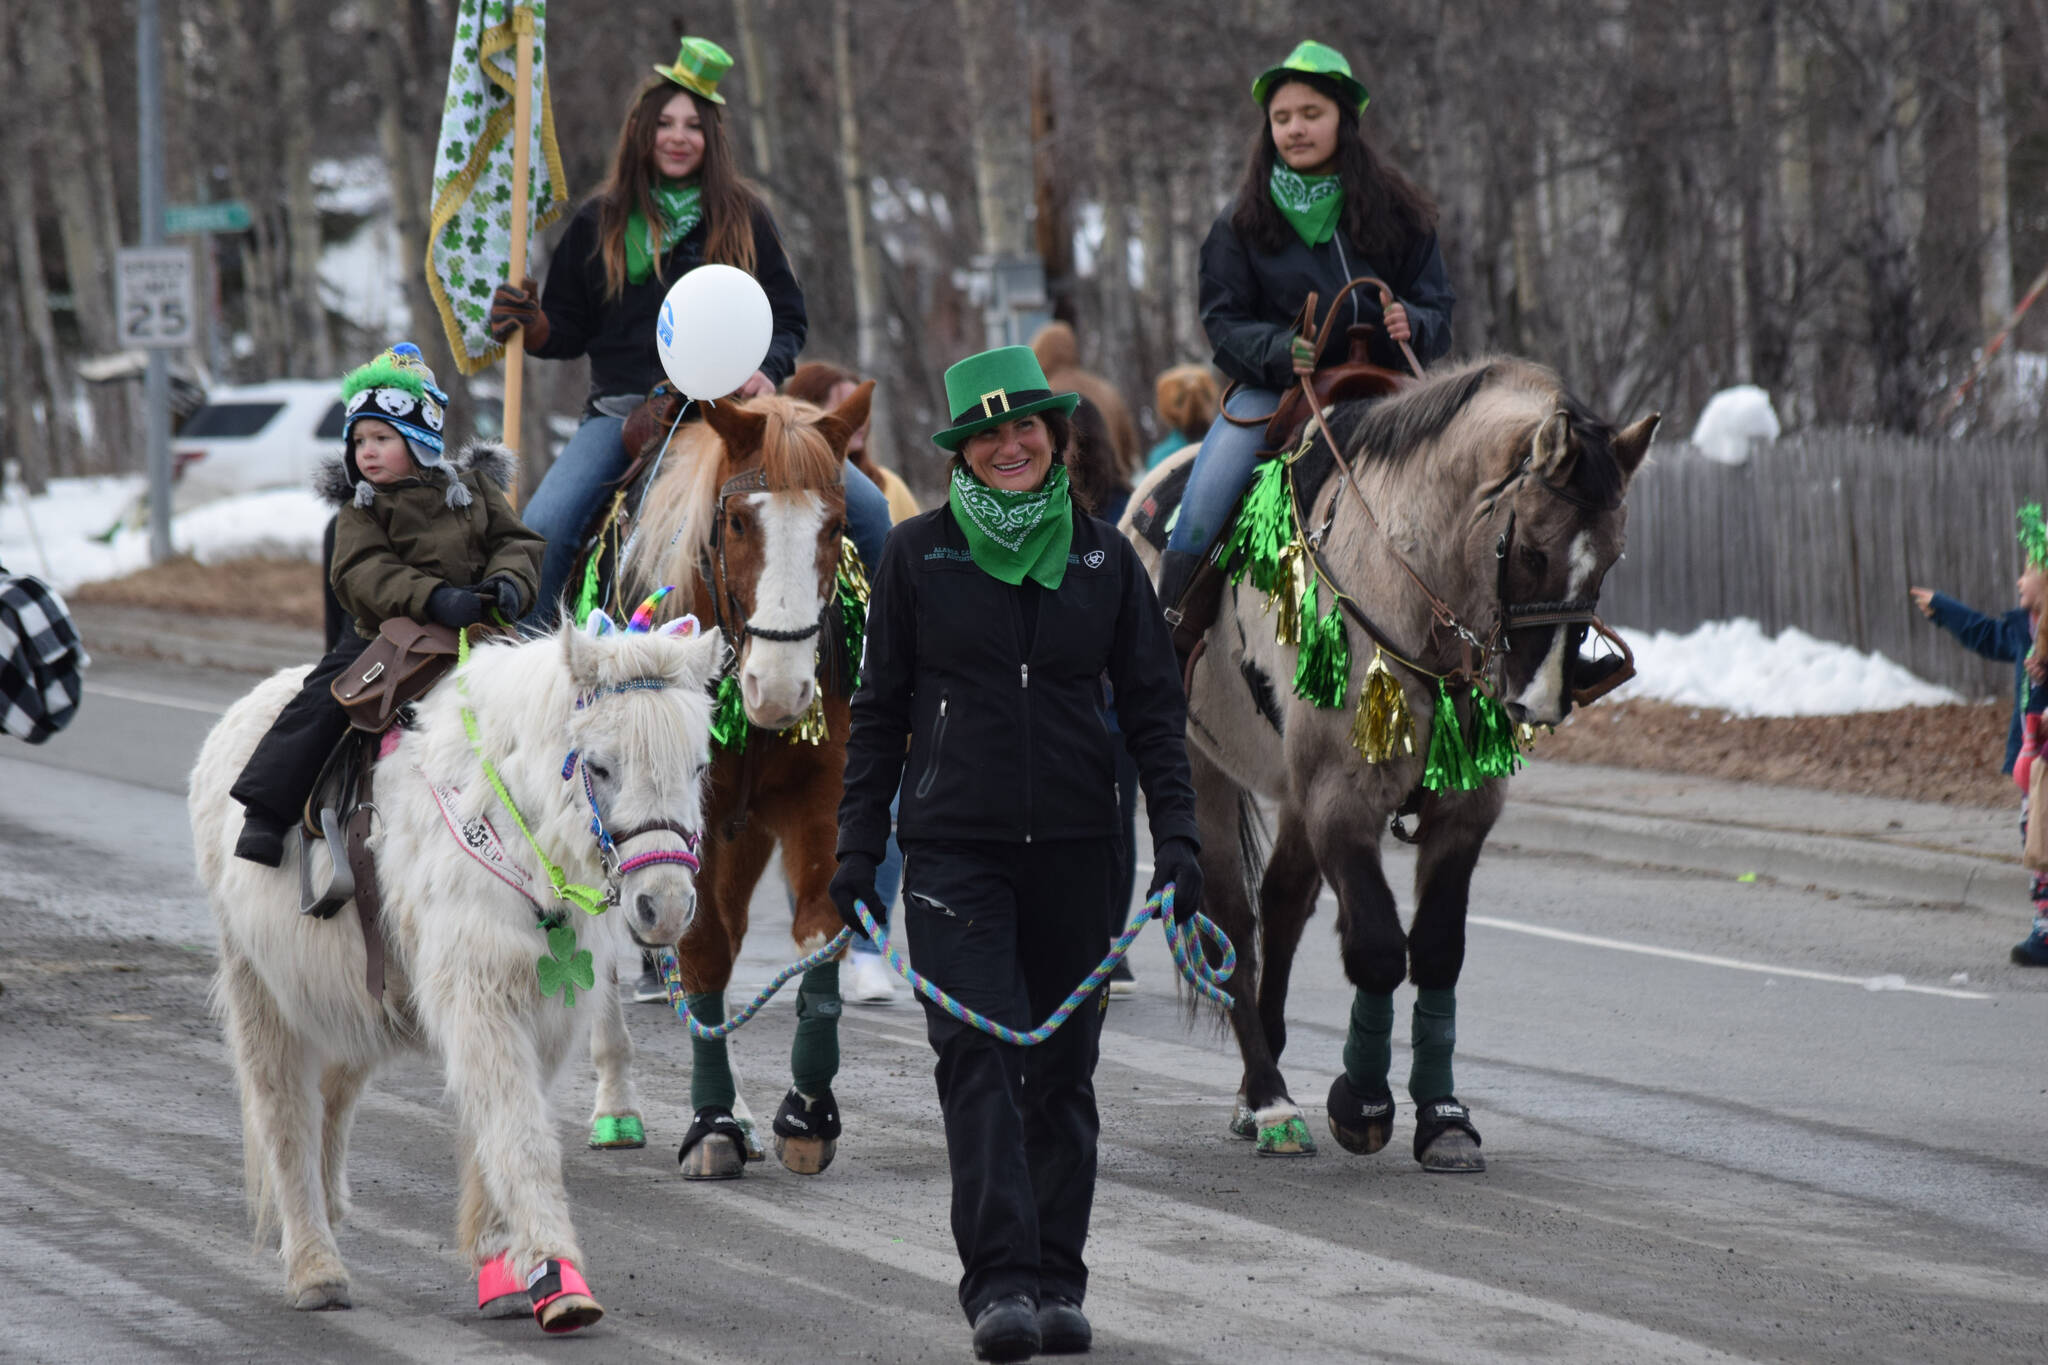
[
  {"x": 853, "y": 608},
  {"x": 2034, "y": 535},
  {"x": 1264, "y": 527},
  {"x": 1450, "y": 766},
  {"x": 729, "y": 715},
  {"x": 1322, "y": 671},
  {"x": 1493, "y": 737}
]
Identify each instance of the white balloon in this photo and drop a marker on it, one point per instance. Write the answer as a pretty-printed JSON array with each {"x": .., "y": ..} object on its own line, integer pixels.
[{"x": 713, "y": 331}]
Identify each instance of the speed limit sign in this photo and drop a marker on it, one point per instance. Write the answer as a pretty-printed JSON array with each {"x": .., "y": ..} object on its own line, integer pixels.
[{"x": 153, "y": 295}]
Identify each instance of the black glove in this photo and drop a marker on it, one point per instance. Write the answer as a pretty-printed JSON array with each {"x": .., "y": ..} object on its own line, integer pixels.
[
  {"x": 517, "y": 307},
  {"x": 454, "y": 607},
  {"x": 1176, "y": 861},
  {"x": 501, "y": 592},
  {"x": 855, "y": 880}
]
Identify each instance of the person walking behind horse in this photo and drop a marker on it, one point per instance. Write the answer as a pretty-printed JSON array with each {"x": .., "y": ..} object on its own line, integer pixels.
[
  {"x": 992, "y": 623},
  {"x": 1317, "y": 207},
  {"x": 2010, "y": 639},
  {"x": 418, "y": 536},
  {"x": 674, "y": 200}
]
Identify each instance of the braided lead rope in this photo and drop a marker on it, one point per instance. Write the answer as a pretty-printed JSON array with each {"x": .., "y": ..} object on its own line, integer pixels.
[{"x": 1183, "y": 942}]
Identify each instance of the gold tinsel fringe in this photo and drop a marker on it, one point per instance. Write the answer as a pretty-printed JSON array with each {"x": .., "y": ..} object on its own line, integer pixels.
[
  {"x": 1384, "y": 727},
  {"x": 1290, "y": 582},
  {"x": 810, "y": 728}
]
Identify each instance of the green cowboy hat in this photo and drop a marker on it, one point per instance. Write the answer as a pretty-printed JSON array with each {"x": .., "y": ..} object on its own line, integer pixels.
[
  {"x": 994, "y": 387},
  {"x": 700, "y": 65},
  {"x": 1314, "y": 59}
]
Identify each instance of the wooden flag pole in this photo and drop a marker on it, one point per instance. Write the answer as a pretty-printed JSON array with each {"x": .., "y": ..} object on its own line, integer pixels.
[{"x": 522, "y": 137}]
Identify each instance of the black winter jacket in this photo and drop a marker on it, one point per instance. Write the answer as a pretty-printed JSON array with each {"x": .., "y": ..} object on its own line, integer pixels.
[
  {"x": 1008, "y": 740},
  {"x": 618, "y": 334},
  {"x": 1249, "y": 298}
]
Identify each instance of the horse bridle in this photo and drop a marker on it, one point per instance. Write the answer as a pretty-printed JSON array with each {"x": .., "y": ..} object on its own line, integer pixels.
[
  {"x": 616, "y": 869},
  {"x": 737, "y": 626}
]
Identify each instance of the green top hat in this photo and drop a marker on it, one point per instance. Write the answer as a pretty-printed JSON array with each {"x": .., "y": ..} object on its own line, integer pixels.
[
  {"x": 1315, "y": 59},
  {"x": 994, "y": 387},
  {"x": 701, "y": 64}
]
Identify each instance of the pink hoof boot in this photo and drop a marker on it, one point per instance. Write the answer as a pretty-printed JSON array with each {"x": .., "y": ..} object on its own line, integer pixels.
[
  {"x": 499, "y": 1294},
  {"x": 561, "y": 1301}
]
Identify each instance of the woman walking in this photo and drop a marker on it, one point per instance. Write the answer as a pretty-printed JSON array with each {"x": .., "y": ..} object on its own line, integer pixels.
[
  {"x": 675, "y": 200},
  {"x": 1317, "y": 207},
  {"x": 993, "y": 621}
]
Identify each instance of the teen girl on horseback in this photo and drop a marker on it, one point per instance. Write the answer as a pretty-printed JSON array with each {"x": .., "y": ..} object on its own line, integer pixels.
[
  {"x": 1317, "y": 208},
  {"x": 675, "y": 200}
]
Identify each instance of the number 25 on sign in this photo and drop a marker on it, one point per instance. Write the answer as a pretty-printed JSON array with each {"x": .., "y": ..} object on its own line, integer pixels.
[{"x": 153, "y": 296}]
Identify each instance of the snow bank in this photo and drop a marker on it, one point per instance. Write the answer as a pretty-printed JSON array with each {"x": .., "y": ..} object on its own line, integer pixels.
[
  {"x": 1733, "y": 666},
  {"x": 1732, "y": 421},
  {"x": 62, "y": 537}
]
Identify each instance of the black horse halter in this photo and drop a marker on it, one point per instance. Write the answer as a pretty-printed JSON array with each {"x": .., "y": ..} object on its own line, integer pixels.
[{"x": 729, "y": 613}]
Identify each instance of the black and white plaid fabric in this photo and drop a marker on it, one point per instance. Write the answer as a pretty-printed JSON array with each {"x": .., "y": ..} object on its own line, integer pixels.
[{"x": 40, "y": 660}]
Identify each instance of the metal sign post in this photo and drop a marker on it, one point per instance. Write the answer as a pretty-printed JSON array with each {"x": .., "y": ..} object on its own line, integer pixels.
[{"x": 156, "y": 388}]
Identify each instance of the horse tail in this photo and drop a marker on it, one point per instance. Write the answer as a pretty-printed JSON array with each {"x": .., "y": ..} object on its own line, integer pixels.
[
  {"x": 226, "y": 1001},
  {"x": 1254, "y": 847}
]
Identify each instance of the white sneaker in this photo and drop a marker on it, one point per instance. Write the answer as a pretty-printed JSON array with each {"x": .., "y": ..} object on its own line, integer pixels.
[{"x": 869, "y": 980}]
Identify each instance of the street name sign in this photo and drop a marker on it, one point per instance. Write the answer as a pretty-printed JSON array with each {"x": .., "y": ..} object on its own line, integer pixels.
[{"x": 229, "y": 215}]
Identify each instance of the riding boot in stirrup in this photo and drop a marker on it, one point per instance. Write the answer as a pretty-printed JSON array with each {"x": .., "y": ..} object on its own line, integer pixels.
[{"x": 1190, "y": 590}]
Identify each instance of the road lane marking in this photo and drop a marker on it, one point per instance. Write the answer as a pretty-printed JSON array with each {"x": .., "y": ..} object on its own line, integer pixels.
[
  {"x": 154, "y": 699},
  {"x": 1709, "y": 960}
]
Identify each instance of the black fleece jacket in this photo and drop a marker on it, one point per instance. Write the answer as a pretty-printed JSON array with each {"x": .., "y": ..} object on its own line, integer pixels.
[
  {"x": 1007, "y": 737},
  {"x": 1250, "y": 297},
  {"x": 618, "y": 334}
]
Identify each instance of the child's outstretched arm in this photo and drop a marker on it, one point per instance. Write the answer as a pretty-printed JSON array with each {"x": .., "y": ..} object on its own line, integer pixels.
[{"x": 1994, "y": 637}]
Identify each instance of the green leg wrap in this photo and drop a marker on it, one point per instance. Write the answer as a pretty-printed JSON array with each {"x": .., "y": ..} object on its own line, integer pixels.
[
  {"x": 814, "y": 1055},
  {"x": 1434, "y": 1031},
  {"x": 1369, "y": 1046},
  {"x": 710, "y": 1068}
]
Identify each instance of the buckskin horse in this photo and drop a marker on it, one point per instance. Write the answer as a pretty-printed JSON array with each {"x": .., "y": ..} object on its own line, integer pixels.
[
  {"x": 1463, "y": 531},
  {"x": 746, "y": 513}
]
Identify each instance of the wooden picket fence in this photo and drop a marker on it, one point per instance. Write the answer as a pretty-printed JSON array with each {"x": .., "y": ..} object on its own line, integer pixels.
[{"x": 1825, "y": 531}]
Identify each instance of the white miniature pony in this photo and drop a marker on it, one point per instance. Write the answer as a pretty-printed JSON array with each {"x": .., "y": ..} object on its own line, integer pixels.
[{"x": 471, "y": 968}]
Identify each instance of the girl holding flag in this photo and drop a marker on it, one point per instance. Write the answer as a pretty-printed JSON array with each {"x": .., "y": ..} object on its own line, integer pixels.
[{"x": 674, "y": 200}]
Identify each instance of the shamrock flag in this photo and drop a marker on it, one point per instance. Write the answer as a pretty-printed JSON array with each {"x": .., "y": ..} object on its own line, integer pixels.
[{"x": 469, "y": 233}]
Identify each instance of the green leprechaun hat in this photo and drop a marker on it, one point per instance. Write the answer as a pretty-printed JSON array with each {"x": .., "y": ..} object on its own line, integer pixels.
[
  {"x": 2033, "y": 536},
  {"x": 700, "y": 65},
  {"x": 994, "y": 387},
  {"x": 1314, "y": 59}
]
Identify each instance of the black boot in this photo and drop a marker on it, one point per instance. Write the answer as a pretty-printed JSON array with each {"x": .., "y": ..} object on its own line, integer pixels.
[
  {"x": 1007, "y": 1329},
  {"x": 1190, "y": 590},
  {"x": 262, "y": 838}
]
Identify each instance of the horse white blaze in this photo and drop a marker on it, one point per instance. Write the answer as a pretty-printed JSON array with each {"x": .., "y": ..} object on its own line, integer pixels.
[
  {"x": 778, "y": 678},
  {"x": 1542, "y": 701}
]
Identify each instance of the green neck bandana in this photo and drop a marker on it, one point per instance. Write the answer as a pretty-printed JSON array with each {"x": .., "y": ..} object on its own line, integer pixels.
[
  {"x": 682, "y": 208},
  {"x": 1310, "y": 203},
  {"x": 1011, "y": 535}
]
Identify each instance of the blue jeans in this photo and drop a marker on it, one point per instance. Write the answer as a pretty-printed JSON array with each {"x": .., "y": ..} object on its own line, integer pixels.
[
  {"x": 582, "y": 475},
  {"x": 1223, "y": 467}
]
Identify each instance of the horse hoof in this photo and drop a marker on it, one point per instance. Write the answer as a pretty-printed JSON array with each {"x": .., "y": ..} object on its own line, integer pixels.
[
  {"x": 1243, "y": 1122},
  {"x": 753, "y": 1148},
  {"x": 1360, "y": 1124},
  {"x": 805, "y": 1156},
  {"x": 568, "y": 1313},
  {"x": 717, "y": 1157},
  {"x": 617, "y": 1131},
  {"x": 1285, "y": 1134},
  {"x": 1453, "y": 1153},
  {"x": 321, "y": 1298},
  {"x": 500, "y": 1293}
]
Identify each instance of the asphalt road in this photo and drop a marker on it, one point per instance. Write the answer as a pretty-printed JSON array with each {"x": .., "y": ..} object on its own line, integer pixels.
[{"x": 1710, "y": 1138}]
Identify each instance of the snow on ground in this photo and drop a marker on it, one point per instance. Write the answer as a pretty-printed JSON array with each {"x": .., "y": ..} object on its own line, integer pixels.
[
  {"x": 1733, "y": 666},
  {"x": 62, "y": 537}
]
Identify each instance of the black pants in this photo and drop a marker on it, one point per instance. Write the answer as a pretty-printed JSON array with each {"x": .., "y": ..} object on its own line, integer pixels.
[
  {"x": 279, "y": 776},
  {"x": 1008, "y": 930}
]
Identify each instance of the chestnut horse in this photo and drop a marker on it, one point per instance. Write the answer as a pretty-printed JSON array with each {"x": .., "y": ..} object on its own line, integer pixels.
[{"x": 746, "y": 515}]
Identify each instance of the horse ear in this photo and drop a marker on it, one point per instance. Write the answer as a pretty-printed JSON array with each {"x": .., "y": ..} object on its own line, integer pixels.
[
  {"x": 703, "y": 655},
  {"x": 1553, "y": 454},
  {"x": 580, "y": 653},
  {"x": 740, "y": 428},
  {"x": 1632, "y": 443},
  {"x": 838, "y": 425}
]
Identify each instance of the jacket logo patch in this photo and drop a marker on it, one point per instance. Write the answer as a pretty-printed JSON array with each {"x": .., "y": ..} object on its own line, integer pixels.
[
  {"x": 948, "y": 553},
  {"x": 1093, "y": 559}
]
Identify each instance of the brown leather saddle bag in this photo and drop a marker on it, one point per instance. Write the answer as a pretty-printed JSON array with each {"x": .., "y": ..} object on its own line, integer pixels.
[{"x": 405, "y": 659}]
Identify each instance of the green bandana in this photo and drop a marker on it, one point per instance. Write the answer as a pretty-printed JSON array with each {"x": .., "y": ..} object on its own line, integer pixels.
[
  {"x": 1011, "y": 535},
  {"x": 1310, "y": 202},
  {"x": 682, "y": 208}
]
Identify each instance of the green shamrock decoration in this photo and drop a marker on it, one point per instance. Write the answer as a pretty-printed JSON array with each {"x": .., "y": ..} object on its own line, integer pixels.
[{"x": 566, "y": 967}]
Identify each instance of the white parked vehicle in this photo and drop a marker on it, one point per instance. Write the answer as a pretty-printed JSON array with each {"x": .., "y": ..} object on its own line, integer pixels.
[{"x": 251, "y": 436}]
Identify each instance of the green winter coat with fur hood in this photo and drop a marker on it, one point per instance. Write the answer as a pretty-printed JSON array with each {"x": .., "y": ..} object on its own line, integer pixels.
[{"x": 451, "y": 524}]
